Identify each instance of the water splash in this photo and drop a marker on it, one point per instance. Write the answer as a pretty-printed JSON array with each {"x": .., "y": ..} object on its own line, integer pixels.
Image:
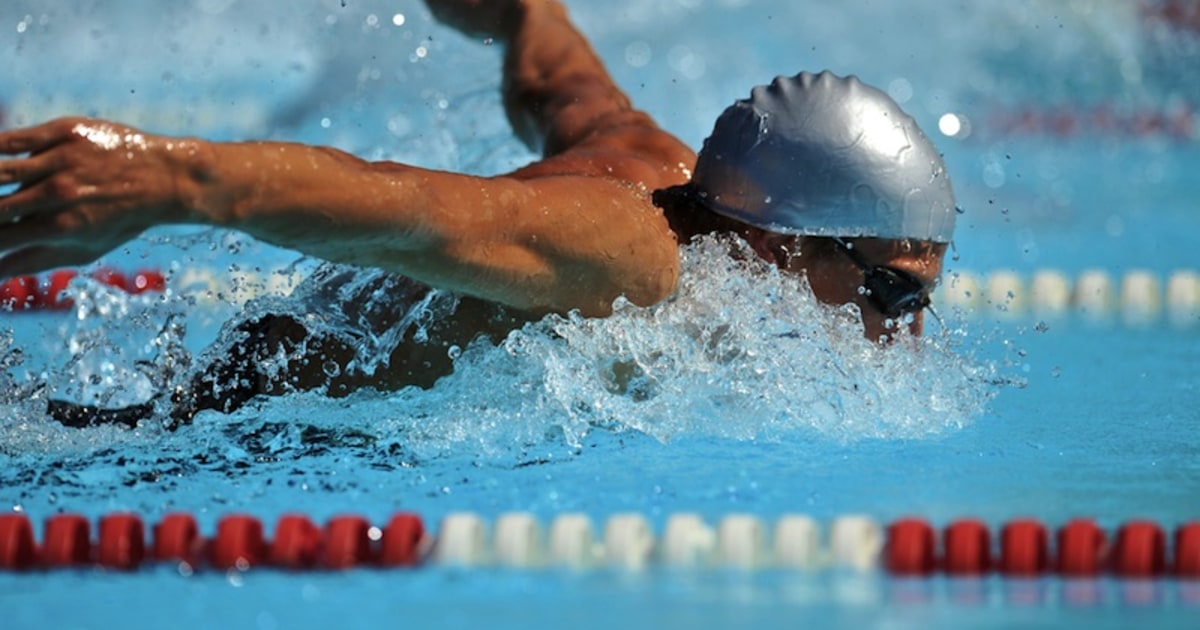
[{"x": 741, "y": 352}]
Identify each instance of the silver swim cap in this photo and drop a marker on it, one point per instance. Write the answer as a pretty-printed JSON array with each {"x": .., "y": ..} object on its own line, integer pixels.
[{"x": 820, "y": 155}]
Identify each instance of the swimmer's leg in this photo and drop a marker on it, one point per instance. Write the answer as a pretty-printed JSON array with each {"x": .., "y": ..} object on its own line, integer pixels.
[
  {"x": 79, "y": 416},
  {"x": 277, "y": 355}
]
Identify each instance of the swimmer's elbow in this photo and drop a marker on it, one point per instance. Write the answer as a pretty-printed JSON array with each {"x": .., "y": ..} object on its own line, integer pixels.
[
  {"x": 668, "y": 278},
  {"x": 648, "y": 282},
  {"x": 658, "y": 278}
]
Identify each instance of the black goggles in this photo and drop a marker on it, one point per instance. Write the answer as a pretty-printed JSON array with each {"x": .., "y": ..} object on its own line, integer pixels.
[{"x": 894, "y": 292}]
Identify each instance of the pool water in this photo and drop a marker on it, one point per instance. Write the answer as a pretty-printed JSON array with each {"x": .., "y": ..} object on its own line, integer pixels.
[{"x": 767, "y": 405}]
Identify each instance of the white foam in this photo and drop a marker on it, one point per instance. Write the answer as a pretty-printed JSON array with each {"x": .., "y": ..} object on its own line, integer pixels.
[{"x": 741, "y": 352}]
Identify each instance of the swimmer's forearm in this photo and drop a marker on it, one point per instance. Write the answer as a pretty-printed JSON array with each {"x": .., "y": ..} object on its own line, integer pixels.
[
  {"x": 298, "y": 196},
  {"x": 556, "y": 88},
  {"x": 556, "y": 244},
  {"x": 331, "y": 204}
]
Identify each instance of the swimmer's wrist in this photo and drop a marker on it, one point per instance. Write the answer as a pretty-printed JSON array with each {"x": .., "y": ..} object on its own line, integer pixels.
[{"x": 198, "y": 184}]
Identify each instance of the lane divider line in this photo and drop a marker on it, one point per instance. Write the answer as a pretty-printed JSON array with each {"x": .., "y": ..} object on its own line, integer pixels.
[
  {"x": 910, "y": 547},
  {"x": 1136, "y": 297}
]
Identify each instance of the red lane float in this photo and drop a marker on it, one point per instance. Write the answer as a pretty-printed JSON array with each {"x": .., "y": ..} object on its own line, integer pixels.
[
  {"x": 347, "y": 543},
  {"x": 968, "y": 548},
  {"x": 911, "y": 548},
  {"x": 18, "y": 551},
  {"x": 1187, "y": 550},
  {"x": 239, "y": 543},
  {"x": 1176, "y": 121},
  {"x": 177, "y": 538},
  {"x": 20, "y": 294},
  {"x": 67, "y": 541},
  {"x": 146, "y": 281},
  {"x": 122, "y": 542},
  {"x": 33, "y": 293},
  {"x": 297, "y": 543},
  {"x": 1024, "y": 549},
  {"x": 1140, "y": 550},
  {"x": 401, "y": 541},
  {"x": 1081, "y": 547}
]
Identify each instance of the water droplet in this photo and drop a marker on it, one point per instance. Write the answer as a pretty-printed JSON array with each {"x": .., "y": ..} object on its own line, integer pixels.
[{"x": 331, "y": 368}]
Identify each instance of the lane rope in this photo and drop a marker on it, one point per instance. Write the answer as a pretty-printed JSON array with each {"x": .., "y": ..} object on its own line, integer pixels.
[
  {"x": 911, "y": 547},
  {"x": 1135, "y": 298}
]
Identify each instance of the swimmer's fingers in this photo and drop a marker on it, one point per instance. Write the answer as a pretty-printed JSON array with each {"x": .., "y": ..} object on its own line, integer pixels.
[
  {"x": 38, "y": 138},
  {"x": 27, "y": 170},
  {"x": 23, "y": 204},
  {"x": 39, "y": 258}
]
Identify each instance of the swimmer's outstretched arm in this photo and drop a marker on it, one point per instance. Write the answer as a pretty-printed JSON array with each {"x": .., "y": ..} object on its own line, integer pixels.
[
  {"x": 551, "y": 244},
  {"x": 573, "y": 231}
]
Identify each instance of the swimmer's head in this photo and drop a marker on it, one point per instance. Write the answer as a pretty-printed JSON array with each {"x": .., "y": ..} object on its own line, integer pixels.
[
  {"x": 826, "y": 176},
  {"x": 821, "y": 155}
]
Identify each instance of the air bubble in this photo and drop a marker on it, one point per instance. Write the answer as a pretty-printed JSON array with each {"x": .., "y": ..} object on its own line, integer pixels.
[{"x": 331, "y": 368}]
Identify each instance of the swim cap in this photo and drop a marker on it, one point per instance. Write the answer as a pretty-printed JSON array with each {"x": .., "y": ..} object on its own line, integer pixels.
[{"x": 822, "y": 155}]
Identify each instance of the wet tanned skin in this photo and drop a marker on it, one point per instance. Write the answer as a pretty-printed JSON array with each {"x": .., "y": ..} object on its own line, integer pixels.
[{"x": 571, "y": 232}]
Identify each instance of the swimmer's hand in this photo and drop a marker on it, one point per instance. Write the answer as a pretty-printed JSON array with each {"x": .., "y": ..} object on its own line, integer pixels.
[
  {"x": 496, "y": 19},
  {"x": 84, "y": 187}
]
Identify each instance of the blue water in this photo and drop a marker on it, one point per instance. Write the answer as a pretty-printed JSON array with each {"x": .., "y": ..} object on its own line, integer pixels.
[{"x": 1054, "y": 422}]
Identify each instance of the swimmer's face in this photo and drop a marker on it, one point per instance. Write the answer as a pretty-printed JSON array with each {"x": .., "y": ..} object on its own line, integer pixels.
[{"x": 836, "y": 278}]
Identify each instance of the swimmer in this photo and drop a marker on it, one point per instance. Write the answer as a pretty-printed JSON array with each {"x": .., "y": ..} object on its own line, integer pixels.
[{"x": 821, "y": 175}]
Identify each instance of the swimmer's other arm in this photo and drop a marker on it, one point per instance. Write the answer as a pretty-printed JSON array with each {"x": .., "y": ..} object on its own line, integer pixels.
[{"x": 538, "y": 243}]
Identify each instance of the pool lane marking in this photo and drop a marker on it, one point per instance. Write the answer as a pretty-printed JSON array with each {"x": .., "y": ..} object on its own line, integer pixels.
[
  {"x": 1135, "y": 298},
  {"x": 912, "y": 547}
]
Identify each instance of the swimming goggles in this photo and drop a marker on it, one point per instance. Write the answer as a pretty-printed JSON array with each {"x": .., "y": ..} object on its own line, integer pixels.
[{"x": 894, "y": 292}]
